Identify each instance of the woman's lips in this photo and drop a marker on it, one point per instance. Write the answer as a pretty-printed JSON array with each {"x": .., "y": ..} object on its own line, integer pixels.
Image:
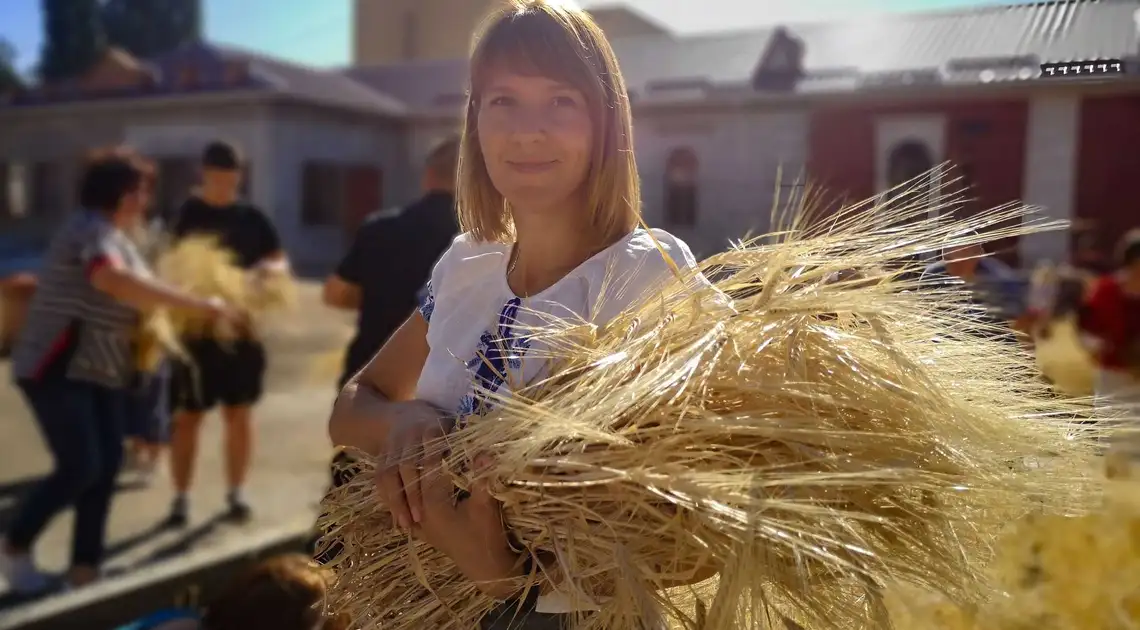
[{"x": 532, "y": 166}]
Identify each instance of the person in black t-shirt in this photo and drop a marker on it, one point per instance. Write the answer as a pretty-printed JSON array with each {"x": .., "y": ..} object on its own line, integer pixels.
[
  {"x": 231, "y": 374},
  {"x": 391, "y": 258},
  {"x": 386, "y": 268}
]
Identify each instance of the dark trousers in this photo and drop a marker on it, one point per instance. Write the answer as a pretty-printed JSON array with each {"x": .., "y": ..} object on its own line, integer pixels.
[{"x": 83, "y": 425}]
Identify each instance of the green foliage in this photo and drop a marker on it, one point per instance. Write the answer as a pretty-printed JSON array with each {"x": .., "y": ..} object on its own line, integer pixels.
[
  {"x": 73, "y": 38},
  {"x": 147, "y": 28}
]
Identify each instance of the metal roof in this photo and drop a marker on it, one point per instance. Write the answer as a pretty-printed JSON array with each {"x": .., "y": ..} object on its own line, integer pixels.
[{"x": 973, "y": 45}]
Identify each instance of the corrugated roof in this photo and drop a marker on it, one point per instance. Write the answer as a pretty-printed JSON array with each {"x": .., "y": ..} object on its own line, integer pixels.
[{"x": 841, "y": 56}]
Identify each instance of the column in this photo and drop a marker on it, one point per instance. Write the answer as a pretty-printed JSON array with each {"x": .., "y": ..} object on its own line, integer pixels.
[{"x": 1052, "y": 141}]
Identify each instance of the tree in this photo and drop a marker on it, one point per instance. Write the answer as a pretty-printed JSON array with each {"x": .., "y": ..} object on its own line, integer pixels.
[
  {"x": 10, "y": 79},
  {"x": 148, "y": 28},
  {"x": 73, "y": 38}
]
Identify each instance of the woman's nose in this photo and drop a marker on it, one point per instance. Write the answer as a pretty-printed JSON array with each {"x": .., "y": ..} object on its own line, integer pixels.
[{"x": 529, "y": 124}]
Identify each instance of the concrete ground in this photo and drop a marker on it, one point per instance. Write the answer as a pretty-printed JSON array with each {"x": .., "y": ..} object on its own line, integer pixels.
[{"x": 288, "y": 475}]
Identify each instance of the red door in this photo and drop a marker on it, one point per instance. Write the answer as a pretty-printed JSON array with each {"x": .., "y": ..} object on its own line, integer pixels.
[{"x": 363, "y": 188}]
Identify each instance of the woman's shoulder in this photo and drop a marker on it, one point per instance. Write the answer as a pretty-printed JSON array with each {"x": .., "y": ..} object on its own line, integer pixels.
[
  {"x": 634, "y": 266},
  {"x": 648, "y": 254},
  {"x": 467, "y": 260}
]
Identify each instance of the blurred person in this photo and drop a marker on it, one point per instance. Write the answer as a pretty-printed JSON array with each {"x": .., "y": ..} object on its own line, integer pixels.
[
  {"x": 1088, "y": 255},
  {"x": 1110, "y": 321},
  {"x": 75, "y": 365},
  {"x": 386, "y": 268},
  {"x": 230, "y": 375},
  {"x": 989, "y": 281},
  {"x": 283, "y": 593}
]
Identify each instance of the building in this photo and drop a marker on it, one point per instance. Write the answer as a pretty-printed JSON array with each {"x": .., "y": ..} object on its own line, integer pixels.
[{"x": 853, "y": 105}]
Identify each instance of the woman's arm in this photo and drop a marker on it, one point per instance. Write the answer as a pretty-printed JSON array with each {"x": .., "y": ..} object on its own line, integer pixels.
[
  {"x": 362, "y": 415},
  {"x": 145, "y": 293}
]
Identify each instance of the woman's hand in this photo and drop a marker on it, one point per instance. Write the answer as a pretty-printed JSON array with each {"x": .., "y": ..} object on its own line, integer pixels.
[
  {"x": 218, "y": 309},
  {"x": 470, "y": 532},
  {"x": 414, "y": 440}
]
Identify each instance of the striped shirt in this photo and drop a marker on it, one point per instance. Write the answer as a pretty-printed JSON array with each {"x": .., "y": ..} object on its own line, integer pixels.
[{"x": 69, "y": 319}]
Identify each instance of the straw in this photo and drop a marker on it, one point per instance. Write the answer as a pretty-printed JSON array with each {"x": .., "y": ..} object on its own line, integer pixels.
[
  {"x": 201, "y": 266},
  {"x": 835, "y": 430}
]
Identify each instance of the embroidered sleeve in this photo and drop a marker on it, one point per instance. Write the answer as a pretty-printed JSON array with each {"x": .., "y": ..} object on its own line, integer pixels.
[{"x": 427, "y": 301}]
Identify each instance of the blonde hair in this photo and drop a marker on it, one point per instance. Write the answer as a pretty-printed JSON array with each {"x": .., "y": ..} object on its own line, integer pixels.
[{"x": 539, "y": 37}]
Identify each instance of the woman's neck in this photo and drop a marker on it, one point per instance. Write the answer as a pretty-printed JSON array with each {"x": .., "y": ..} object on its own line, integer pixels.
[{"x": 546, "y": 250}]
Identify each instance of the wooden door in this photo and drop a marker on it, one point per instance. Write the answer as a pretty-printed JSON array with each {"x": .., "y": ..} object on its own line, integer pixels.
[{"x": 364, "y": 194}]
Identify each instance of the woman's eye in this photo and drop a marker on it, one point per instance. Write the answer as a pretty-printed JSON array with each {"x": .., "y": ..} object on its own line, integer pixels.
[
  {"x": 564, "y": 101},
  {"x": 501, "y": 100}
]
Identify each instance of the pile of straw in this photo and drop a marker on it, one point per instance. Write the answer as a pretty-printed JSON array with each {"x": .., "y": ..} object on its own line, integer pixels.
[
  {"x": 1061, "y": 356},
  {"x": 1070, "y": 572},
  {"x": 198, "y": 264},
  {"x": 830, "y": 434}
]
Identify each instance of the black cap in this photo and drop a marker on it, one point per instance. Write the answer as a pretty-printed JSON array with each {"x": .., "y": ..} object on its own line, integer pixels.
[{"x": 222, "y": 156}]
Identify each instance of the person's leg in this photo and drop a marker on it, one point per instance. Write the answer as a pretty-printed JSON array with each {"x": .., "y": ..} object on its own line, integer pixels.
[
  {"x": 64, "y": 413},
  {"x": 93, "y": 505},
  {"x": 242, "y": 390},
  {"x": 154, "y": 428},
  {"x": 193, "y": 392}
]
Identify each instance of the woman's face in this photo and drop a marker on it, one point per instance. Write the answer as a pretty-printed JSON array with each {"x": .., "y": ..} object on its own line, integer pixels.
[{"x": 537, "y": 138}]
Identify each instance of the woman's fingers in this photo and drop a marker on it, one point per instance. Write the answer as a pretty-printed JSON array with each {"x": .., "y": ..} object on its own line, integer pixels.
[
  {"x": 390, "y": 486},
  {"x": 411, "y": 468},
  {"x": 432, "y": 476}
]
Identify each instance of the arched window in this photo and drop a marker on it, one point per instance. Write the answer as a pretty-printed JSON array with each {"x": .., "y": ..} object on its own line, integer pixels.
[
  {"x": 908, "y": 160},
  {"x": 681, "y": 190}
]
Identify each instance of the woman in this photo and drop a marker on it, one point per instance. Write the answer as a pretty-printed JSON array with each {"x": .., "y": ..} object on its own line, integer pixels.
[
  {"x": 74, "y": 363},
  {"x": 282, "y": 593},
  {"x": 549, "y": 206}
]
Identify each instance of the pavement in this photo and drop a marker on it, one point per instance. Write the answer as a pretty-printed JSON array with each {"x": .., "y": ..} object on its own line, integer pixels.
[{"x": 289, "y": 473}]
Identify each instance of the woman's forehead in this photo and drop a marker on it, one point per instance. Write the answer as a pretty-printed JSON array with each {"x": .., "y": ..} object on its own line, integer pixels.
[{"x": 502, "y": 77}]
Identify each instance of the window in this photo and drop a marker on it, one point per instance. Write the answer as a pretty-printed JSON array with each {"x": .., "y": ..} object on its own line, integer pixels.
[
  {"x": 322, "y": 194},
  {"x": 235, "y": 73},
  {"x": 5, "y": 193},
  {"x": 907, "y": 161},
  {"x": 681, "y": 190},
  {"x": 50, "y": 192},
  {"x": 177, "y": 176},
  {"x": 188, "y": 78}
]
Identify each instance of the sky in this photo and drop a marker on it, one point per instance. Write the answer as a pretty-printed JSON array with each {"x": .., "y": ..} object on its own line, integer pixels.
[{"x": 317, "y": 32}]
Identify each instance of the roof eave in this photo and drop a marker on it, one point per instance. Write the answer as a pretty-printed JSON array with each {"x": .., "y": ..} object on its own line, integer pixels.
[{"x": 149, "y": 102}]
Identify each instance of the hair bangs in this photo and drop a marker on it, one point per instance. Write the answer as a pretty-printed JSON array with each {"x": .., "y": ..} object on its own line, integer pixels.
[{"x": 537, "y": 43}]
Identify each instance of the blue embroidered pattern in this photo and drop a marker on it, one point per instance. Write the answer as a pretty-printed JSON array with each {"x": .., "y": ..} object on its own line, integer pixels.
[
  {"x": 499, "y": 352},
  {"x": 427, "y": 301}
]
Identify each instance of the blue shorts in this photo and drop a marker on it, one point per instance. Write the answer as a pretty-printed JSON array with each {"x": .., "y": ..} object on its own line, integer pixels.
[{"x": 148, "y": 418}]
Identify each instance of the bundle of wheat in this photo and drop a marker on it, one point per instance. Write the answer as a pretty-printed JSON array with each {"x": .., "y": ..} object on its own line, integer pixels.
[
  {"x": 156, "y": 339},
  {"x": 198, "y": 264},
  {"x": 820, "y": 439}
]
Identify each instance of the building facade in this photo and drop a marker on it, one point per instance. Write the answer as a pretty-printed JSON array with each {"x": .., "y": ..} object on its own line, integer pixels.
[{"x": 725, "y": 124}]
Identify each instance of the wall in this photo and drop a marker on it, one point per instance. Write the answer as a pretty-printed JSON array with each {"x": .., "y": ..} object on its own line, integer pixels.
[
  {"x": 1108, "y": 169},
  {"x": 988, "y": 138},
  {"x": 388, "y": 31},
  {"x": 301, "y": 134},
  {"x": 739, "y": 153}
]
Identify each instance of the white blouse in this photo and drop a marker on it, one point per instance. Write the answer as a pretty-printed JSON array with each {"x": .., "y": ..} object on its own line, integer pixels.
[{"x": 477, "y": 327}]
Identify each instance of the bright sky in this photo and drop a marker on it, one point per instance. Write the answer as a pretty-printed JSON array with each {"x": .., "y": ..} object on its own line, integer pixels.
[{"x": 317, "y": 31}]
